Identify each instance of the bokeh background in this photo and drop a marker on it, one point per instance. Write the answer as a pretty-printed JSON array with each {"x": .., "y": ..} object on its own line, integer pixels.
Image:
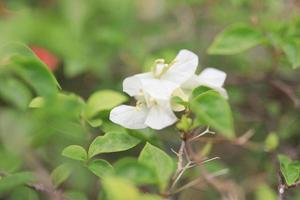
[{"x": 95, "y": 44}]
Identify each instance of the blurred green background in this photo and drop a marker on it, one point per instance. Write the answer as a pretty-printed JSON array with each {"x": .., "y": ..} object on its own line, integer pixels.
[{"x": 98, "y": 43}]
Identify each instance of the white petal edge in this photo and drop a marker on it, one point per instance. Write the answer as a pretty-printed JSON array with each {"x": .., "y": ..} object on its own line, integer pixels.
[
  {"x": 132, "y": 85},
  {"x": 213, "y": 77},
  {"x": 160, "y": 117},
  {"x": 185, "y": 66},
  {"x": 129, "y": 116}
]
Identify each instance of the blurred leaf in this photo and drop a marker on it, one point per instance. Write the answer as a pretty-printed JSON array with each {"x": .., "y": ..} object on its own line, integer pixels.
[
  {"x": 200, "y": 90},
  {"x": 100, "y": 167},
  {"x": 214, "y": 111},
  {"x": 159, "y": 162},
  {"x": 25, "y": 64},
  {"x": 14, "y": 92},
  {"x": 271, "y": 142},
  {"x": 290, "y": 170},
  {"x": 37, "y": 102},
  {"x": 264, "y": 192},
  {"x": 150, "y": 197},
  {"x": 75, "y": 152},
  {"x": 9, "y": 162},
  {"x": 60, "y": 174},
  {"x": 24, "y": 193},
  {"x": 103, "y": 100},
  {"x": 292, "y": 50},
  {"x": 118, "y": 189},
  {"x": 137, "y": 172},
  {"x": 235, "y": 39},
  {"x": 10, "y": 182},
  {"x": 112, "y": 142},
  {"x": 75, "y": 195}
]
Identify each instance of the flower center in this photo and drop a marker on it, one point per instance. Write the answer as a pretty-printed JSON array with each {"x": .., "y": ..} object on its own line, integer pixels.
[{"x": 161, "y": 67}]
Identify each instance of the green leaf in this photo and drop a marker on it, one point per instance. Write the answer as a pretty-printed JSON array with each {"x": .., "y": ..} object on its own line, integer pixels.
[
  {"x": 103, "y": 100},
  {"x": 60, "y": 174},
  {"x": 212, "y": 109},
  {"x": 9, "y": 182},
  {"x": 116, "y": 188},
  {"x": 150, "y": 197},
  {"x": 75, "y": 152},
  {"x": 112, "y": 142},
  {"x": 20, "y": 60},
  {"x": 290, "y": 170},
  {"x": 235, "y": 39},
  {"x": 24, "y": 193},
  {"x": 100, "y": 167},
  {"x": 271, "y": 142},
  {"x": 159, "y": 162},
  {"x": 15, "y": 92},
  {"x": 291, "y": 48},
  {"x": 200, "y": 90},
  {"x": 135, "y": 171},
  {"x": 264, "y": 192}
]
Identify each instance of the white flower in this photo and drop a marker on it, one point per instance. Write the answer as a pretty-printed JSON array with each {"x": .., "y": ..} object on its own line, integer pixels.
[{"x": 153, "y": 92}]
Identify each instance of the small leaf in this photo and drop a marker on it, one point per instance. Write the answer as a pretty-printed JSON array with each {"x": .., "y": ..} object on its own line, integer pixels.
[
  {"x": 9, "y": 182},
  {"x": 75, "y": 152},
  {"x": 103, "y": 100},
  {"x": 159, "y": 162},
  {"x": 292, "y": 50},
  {"x": 112, "y": 142},
  {"x": 37, "y": 102},
  {"x": 290, "y": 170},
  {"x": 60, "y": 174},
  {"x": 119, "y": 189},
  {"x": 214, "y": 111},
  {"x": 235, "y": 39},
  {"x": 271, "y": 142},
  {"x": 135, "y": 171},
  {"x": 100, "y": 167}
]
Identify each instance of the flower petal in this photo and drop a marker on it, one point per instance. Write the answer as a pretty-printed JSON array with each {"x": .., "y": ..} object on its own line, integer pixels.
[
  {"x": 160, "y": 116},
  {"x": 185, "y": 65},
  {"x": 158, "y": 89},
  {"x": 212, "y": 77},
  {"x": 129, "y": 116},
  {"x": 133, "y": 85}
]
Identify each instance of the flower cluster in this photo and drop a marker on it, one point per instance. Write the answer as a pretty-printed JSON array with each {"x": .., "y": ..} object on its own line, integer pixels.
[{"x": 154, "y": 91}]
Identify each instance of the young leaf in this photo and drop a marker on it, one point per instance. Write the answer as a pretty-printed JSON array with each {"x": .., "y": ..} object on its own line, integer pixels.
[
  {"x": 119, "y": 189},
  {"x": 271, "y": 142},
  {"x": 60, "y": 174},
  {"x": 214, "y": 111},
  {"x": 9, "y": 182},
  {"x": 235, "y": 39},
  {"x": 100, "y": 167},
  {"x": 75, "y": 152},
  {"x": 290, "y": 170},
  {"x": 159, "y": 162},
  {"x": 103, "y": 100},
  {"x": 135, "y": 171},
  {"x": 112, "y": 142},
  {"x": 292, "y": 50}
]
